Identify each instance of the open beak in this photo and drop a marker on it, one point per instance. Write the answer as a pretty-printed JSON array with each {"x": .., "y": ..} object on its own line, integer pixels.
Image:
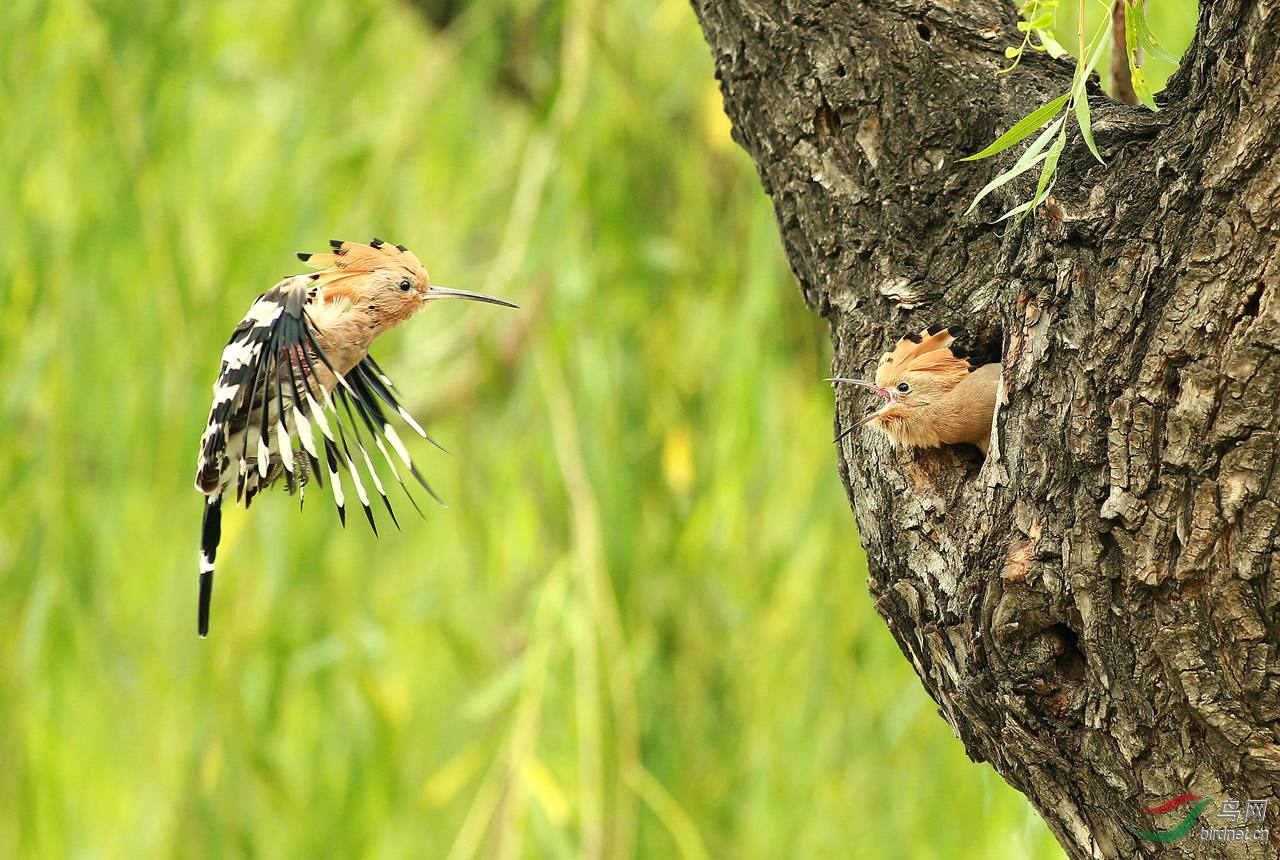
[
  {"x": 883, "y": 392},
  {"x": 889, "y": 397},
  {"x": 435, "y": 292}
]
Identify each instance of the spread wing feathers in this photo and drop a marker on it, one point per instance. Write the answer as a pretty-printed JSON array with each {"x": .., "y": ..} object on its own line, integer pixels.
[
  {"x": 275, "y": 414},
  {"x": 362, "y": 398},
  {"x": 931, "y": 350}
]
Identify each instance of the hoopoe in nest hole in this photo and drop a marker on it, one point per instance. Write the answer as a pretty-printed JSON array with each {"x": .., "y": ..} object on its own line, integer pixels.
[
  {"x": 932, "y": 394},
  {"x": 300, "y": 352}
]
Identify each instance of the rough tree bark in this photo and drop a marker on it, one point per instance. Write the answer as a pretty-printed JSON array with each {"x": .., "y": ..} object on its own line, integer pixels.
[{"x": 1096, "y": 606}]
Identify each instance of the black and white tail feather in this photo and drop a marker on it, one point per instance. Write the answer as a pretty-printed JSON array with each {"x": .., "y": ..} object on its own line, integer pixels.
[{"x": 269, "y": 400}]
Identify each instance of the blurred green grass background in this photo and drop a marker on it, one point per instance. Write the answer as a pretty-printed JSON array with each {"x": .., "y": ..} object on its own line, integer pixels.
[{"x": 641, "y": 627}]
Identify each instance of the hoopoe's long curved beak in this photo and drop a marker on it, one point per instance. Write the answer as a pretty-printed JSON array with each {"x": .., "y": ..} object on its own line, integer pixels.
[
  {"x": 434, "y": 292},
  {"x": 882, "y": 391},
  {"x": 889, "y": 397}
]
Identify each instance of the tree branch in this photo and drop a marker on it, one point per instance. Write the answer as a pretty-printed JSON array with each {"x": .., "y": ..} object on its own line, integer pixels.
[{"x": 1121, "y": 77}]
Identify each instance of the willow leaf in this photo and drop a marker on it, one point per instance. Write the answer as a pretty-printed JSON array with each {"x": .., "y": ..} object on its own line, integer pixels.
[{"x": 1023, "y": 129}]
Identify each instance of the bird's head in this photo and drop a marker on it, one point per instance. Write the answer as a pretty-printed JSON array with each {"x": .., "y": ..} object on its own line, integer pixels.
[
  {"x": 387, "y": 279},
  {"x": 920, "y": 370}
]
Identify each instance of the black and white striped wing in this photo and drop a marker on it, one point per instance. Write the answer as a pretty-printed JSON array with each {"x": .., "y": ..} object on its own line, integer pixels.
[
  {"x": 276, "y": 414},
  {"x": 357, "y": 405}
]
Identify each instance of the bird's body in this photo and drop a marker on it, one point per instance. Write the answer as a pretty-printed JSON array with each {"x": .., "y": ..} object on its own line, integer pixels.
[
  {"x": 932, "y": 394},
  {"x": 300, "y": 353}
]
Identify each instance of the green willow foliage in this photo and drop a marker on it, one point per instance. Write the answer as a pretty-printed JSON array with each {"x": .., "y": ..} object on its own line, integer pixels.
[{"x": 1051, "y": 129}]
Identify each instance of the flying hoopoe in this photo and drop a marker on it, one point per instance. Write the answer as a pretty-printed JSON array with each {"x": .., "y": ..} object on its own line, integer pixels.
[
  {"x": 932, "y": 394},
  {"x": 300, "y": 351}
]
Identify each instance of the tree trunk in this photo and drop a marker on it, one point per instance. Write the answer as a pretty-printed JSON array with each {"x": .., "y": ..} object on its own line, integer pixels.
[{"x": 1096, "y": 606}]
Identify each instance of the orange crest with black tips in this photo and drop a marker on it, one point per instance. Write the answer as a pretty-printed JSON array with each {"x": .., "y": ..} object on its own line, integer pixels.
[{"x": 931, "y": 351}]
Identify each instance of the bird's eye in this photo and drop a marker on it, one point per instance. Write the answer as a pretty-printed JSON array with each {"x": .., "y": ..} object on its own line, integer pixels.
[
  {"x": 903, "y": 387},
  {"x": 405, "y": 286}
]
